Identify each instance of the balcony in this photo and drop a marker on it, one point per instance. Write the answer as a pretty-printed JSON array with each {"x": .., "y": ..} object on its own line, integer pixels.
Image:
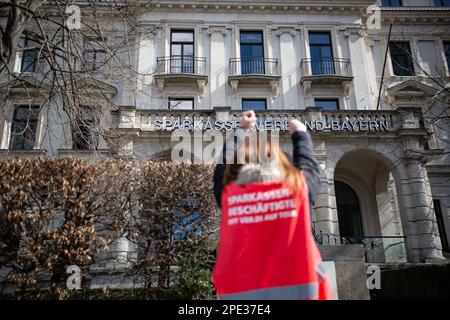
[
  {"x": 181, "y": 70},
  {"x": 327, "y": 71},
  {"x": 254, "y": 70}
]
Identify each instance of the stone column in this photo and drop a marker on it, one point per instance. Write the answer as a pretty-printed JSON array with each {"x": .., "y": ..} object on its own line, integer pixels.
[
  {"x": 289, "y": 64},
  {"x": 324, "y": 211},
  {"x": 358, "y": 64},
  {"x": 218, "y": 66},
  {"x": 421, "y": 231}
]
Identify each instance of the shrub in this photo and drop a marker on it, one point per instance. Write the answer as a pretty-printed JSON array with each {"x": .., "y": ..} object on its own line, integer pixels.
[
  {"x": 176, "y": 205},
  {"x": 62, "y": 212}
]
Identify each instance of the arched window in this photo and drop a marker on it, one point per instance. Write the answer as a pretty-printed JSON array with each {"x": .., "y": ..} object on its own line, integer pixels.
[{"x": 349, "y": 214}]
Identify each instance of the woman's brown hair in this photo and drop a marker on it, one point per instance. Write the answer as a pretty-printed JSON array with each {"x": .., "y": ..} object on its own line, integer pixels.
[{"x": 292, "y": 176}]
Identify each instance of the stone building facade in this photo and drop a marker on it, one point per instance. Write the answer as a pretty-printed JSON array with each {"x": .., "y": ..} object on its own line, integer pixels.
[{"x": 385, "y": 166}]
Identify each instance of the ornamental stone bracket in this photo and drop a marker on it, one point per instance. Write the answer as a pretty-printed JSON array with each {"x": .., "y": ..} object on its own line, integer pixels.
[
  {"x": 355, "y": 32},
  {"x": 285, "y": 30},
  {"x": 160, "y": 83},
  {"x": 274, "y": 88},
  {"x": 346, "y": 88},
  {"x": 234, "y": 86},
  {"x": 307, "y": 87},
  {"x": 217, "y": 29},
  {"x": 201, "y": 87}
]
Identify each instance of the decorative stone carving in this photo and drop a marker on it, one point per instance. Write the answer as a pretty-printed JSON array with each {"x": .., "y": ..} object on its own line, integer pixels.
[
  {"x": 286, "y": 30},
  {"x": 201, "y": 87},
  {"x": 218, "y": 29},
  {"x": 345, "y": 88},
  {"x": 354, "y": 32},
  {"x": 274, "y": 88},
  {"x": 234, "y": 86}
]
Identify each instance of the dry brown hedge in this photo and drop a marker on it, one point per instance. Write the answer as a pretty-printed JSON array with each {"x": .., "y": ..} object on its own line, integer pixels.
[{"x": 61, "y": 212}]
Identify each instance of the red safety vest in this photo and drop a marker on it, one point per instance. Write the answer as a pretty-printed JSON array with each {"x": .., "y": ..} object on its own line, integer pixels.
[{"x": 266, "y": 248}]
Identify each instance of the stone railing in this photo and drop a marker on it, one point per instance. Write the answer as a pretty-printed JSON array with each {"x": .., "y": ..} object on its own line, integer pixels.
[{"x": 316, "y": 119}]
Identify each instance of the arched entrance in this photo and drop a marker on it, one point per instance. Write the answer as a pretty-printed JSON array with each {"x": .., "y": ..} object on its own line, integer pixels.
[
  {"x": 367, "y": 206},
  {"x": 349, "y": 213}
]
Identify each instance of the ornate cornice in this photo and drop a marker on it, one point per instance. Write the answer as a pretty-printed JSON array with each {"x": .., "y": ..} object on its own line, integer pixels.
[
  {"x": 288, "y": 6},
  {"x": 416, "y": 16}
]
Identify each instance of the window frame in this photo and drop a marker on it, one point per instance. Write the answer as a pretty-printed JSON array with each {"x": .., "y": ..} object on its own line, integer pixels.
[
  {"x": 253, "y": 99},
  {"x": 12, "y": 140},
  {"x": 252, "y": 64},
  {"x": 183, "y": 58},
  {"x": 410, "y": 59},
  {"x": 337, "y": 100},
  {"x": 94, "y": 64},
  {"x": 79, "y": 140},
  {"x": 321, "y": 65},
  {"x": 170, "y": 99},
  {"x": 437, "y": 204},
  {"x": 29, "y": 52},
  {"x": 446, "y": 42}
]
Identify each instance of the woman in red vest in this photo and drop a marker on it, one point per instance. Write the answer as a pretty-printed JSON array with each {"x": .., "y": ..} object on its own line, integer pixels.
[{"x": 266, "y": 248}]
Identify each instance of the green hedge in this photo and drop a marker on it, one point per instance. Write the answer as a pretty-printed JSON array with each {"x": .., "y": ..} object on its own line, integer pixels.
[{"x": 415, "y": 282}]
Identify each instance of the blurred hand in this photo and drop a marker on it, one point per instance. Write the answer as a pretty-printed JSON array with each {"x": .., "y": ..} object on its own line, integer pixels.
[
  {"x": 295, "y": 125},
  {"x": 248, "y": 119}
]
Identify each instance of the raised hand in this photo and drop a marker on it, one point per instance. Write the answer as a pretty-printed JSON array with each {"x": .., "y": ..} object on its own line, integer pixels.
[
  {"x": 295, "y": 125},
  {"x": 248, "y": 119}
]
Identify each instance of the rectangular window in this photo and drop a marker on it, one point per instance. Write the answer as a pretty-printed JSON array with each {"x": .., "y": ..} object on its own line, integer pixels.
[
  {"x": 30, "y": 56},
  {"x": 327, "y": 104},
  {"x": 321, "y": 53},
  {"x": 254, "y": 104},
  {"x": 447, "y": 53},
  {"x": 442, "y": 3},
  {"x": 85, "y": 130},
  {"x": 24, "y": 126},
  {"x": 441, "y": 226},
  {"x": 391, "y": 3},
  {"x": 182, "y": 51},
  {"x": 252, "y": 52},
  {"x": 181, "y": 103},
  {"x": 402, "y": 62},
  {"x": 94, "y": 55}
]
